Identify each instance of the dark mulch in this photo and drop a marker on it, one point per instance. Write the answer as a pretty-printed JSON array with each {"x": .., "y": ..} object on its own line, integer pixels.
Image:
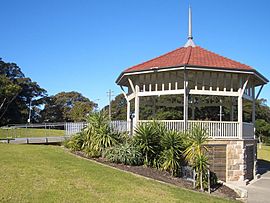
[{"x": 219, "y": 190}]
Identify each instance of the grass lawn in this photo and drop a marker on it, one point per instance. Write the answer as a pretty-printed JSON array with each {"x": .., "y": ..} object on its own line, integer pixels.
[
  {"x": 39, "y": 173},
  {"x": 264, "y": 153},
  {"x": 30, "y": 132}
]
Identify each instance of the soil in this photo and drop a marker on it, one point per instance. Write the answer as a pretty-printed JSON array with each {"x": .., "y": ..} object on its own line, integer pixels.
[{"x": 219, "y": 190}]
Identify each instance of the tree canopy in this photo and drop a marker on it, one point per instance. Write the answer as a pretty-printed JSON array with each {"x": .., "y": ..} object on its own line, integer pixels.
[
  {"x": 67, "y": 106},
  {"x": 19, "y": 93},
  {"x": 16, "y": 92}
]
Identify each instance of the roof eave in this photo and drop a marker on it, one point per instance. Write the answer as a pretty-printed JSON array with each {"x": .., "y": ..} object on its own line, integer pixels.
[{"x": 192, "y": 67}]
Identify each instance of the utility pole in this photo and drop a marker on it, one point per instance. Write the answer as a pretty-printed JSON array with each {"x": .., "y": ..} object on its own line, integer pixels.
[
  {"x": 30, "y": 108},
  {"x": 110, "y": 95}
]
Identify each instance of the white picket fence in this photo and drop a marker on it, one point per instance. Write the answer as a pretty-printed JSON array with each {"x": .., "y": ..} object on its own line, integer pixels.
[
  {"x": 119, "y": 126},
  {"x": 215, "y": 129},
  {"x": 73, "y": 128}
]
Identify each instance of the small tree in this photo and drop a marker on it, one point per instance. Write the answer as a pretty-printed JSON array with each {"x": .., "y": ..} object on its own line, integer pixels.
[
  {"x": 172, "y": 145},
  {"x": 102, "y": 136},
  {"x": 262, "y": 130},
  {"x": 148, "y": 138},
  {"x": 195, "y": 152},
  {"x": 96, "y": 137}
]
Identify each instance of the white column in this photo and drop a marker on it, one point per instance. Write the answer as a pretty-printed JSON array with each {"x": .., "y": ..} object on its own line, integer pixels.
[
  {"x": 240, "y": 108},
  {"x": 137, "y": 106},
  {"x": 253, "y": 108},
  {"x": 128, "y": 115},
  {"x": 185, "y": 101},
  {"x": 253, "y": 121},
  {"x": 240, "y": 116}
]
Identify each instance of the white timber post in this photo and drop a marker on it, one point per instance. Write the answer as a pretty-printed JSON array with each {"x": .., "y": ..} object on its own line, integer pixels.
[
  {"x": 128, "y": 109},
  {"x": 185, "y": 101},
  {"x": 137, "y": 106},
  {"x": 253, "y": 121},
  {"x": 128, "y": 116},
  {"x": 240, "y": 105},
  {"x": 253, "y": 109},
  {"x": 240, "y": 116},
  {"x": 240, "y": 109}
]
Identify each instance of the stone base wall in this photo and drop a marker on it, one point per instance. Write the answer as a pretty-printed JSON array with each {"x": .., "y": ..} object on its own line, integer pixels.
[{"x": 236, "y": 159}]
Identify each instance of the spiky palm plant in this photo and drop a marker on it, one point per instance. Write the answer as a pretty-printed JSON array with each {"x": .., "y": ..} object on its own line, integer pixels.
[
  {"x": 172, "y": 144},
  {"x": 201, "y": 166},
  {"x": 196, "y": 139},
  {"x": 195, "y": 152},
  {"x": 99, "y": 130},
  {"x": 75, "y": 142},
  {"x": 147, "y": 138}
]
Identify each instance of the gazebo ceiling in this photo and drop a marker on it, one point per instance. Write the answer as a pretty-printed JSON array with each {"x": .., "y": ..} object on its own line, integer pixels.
[{"x": 191, "y": 56}]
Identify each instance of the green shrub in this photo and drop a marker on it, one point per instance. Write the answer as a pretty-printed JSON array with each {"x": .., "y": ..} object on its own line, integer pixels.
[
  {"x": 128, "y": 154},
  {"x": 266, "y": 140},
  {"x": 195, "y": 153},
  {"x": 201, "y": 167},
  {"x": 98, "y": 135},
  {"x": 75, "y": 142},
  {"x": 160, "y": 128},
  {"x": 148, "y": 140},
  {"x": 170, "y": 159},
  {"x": 88, "y": 143}
]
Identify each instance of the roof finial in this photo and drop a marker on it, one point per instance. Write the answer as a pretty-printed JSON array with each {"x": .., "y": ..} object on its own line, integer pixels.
[
  {"x": 190, "y": 37},
  {"x": 189, "y": 23}
]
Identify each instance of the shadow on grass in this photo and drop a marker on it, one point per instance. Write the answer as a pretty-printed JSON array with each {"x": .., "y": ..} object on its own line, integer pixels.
[{"x": 263, "y": 166}]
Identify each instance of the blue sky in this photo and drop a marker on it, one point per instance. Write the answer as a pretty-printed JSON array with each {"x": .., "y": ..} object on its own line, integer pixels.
[{"x": 83, "y": 45}]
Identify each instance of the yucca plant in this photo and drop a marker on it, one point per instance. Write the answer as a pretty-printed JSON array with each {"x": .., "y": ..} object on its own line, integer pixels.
[
  {"x": 201, "y": 166},
  {"x": 172, "y": 144},
  {"x": 75, "y": 142},
  {"x": 195, "y": 140},
  {"x": 195, "y": 152},
  {"x": 98, "y": 120},
  {"x": 147, "y": 138},
  {"x": 160, "y": 128},
  {"x": 88, "y": 145},
  {"x": 100, "y": 133}
]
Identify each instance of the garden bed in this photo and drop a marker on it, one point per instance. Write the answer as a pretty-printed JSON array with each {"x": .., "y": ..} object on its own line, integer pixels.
[{"x": 153, "y": 173}]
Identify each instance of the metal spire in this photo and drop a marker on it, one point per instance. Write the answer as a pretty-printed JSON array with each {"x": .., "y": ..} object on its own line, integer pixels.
[{"x": 190, "y": 37}]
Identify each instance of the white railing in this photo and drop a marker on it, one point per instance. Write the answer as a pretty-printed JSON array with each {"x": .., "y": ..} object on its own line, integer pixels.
[
  {"x": 248, "y": 130},
  {"x": 177, "y": 125},
  {"x": 119, "y": 126},
  {"x": 218, "y": 129},
  {"x": 73, "y": 128},
  {"x": 215, "y": 129}
]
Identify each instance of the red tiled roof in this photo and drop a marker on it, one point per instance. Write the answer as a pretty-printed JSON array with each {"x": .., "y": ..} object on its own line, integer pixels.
[{"x": 190, "y": 56}]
